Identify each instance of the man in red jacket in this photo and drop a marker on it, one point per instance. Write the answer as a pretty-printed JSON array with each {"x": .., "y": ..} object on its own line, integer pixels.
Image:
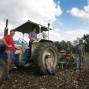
[{"x": 11, "y": 49}]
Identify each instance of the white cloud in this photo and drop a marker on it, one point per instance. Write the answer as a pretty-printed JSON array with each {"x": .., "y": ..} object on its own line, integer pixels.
[
  {"x": 80, "y": 14},
  {"x": 1, "y": 30},
  {"x": 57, "y": 30},
  {"x": 79, "y": 32},
  {"x": 86, "y": 8},
  {"x": 55, "y": 35},
  {"x": 19, "y": 11},
  {"x": 73, "y": 34}
]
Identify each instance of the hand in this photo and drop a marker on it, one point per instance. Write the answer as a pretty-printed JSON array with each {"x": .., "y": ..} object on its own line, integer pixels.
[
  {"x": 83, "y": 57},
  {"x": 50, "y": 67},
  {"x": 37, "y": 39},
  {"x": 9, "y": 46},
  {"x": 21, "y": 49},
  {"x": 68, "y": 54},
  {"x": 76, "y": 55},
  {"x": 33, "y": 39}
]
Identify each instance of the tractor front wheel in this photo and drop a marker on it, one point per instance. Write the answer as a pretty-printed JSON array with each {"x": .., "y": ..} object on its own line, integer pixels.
[
  {"x": 39, "y": 56},
  {"x": 3, "y": 70}
]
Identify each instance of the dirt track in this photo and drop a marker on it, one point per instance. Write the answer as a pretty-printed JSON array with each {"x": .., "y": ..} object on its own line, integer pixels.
[{"x": 67, "y": 78}]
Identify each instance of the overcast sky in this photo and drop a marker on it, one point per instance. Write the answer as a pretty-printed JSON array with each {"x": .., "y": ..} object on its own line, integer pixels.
[{"x": 69, "y": 19}]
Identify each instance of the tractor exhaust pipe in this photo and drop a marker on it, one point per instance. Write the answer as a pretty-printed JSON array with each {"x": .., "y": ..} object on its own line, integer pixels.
[
  {"x": 48, "y": 30},
  {"x": 6, "y": 28}
]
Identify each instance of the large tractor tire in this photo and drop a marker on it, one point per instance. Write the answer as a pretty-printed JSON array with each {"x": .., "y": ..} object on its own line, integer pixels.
[
  {"x": 3, "y": 70},
  {"x": 39, "y": 57}
]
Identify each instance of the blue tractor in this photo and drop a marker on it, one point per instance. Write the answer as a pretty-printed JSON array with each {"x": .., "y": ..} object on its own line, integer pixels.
[{"x": 39, "y": 50}]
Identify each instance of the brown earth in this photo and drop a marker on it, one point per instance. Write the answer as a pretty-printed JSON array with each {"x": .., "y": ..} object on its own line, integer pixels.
[{"x": 67, "y": 78}]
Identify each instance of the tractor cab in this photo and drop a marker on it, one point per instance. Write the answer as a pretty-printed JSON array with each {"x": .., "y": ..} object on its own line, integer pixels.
[
  {"x": 40, "y": 30},
  {"x": 27, "y": 27}
]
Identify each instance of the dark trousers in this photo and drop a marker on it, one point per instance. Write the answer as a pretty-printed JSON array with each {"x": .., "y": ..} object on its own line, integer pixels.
[{"x": 30, "y": 45}]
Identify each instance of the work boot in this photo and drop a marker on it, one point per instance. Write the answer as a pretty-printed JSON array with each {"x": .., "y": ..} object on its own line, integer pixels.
[
  {"x": 21, "y": 63},
  {"x": 53, "y": 74},
  {"x": 13, "y": 66},
  {"x": 80, "y": 68}
]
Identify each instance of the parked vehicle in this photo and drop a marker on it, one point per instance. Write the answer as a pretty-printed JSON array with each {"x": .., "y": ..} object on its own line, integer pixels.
[{"x": 38, "y": 51}]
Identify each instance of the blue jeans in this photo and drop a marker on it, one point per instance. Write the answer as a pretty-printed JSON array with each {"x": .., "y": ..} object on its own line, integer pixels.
[
  {"x": 78, "y": 61},
  {"x": 51, "y": 70}
]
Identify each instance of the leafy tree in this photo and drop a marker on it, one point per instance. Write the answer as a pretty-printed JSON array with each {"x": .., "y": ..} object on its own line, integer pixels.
[
  {"x": 60, "y": 45},
  {"x": 86, "y": 42}
]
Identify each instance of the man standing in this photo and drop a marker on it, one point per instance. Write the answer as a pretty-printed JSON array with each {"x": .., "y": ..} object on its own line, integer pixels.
[
  {"x": 80, "y": 54},
  {"x": 11, "y": 49}
]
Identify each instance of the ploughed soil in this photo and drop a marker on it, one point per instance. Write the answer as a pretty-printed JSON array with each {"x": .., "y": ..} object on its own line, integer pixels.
[{"x": 66, "y": 78}]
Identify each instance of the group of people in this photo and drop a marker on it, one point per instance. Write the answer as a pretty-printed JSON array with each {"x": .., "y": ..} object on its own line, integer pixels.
[
  {"x": 12, "y": 49},
  {"x": 67, "y": 55},
  {"x": 80, "y": 53}
]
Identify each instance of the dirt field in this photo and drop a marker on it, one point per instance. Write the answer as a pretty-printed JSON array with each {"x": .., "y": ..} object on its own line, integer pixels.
[{"x": 67, "y": 78}]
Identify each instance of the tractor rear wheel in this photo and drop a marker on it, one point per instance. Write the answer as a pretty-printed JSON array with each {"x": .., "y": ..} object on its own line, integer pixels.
[
  {"x": 39, "y": 57},
  {"x": 3, "y": 70}
]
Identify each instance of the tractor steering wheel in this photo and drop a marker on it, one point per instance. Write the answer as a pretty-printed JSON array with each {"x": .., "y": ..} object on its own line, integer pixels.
[{"x": 22, "y": 41}]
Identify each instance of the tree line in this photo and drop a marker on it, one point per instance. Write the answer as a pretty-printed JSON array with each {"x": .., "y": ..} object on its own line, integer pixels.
[{"x": 60, "y": 45}]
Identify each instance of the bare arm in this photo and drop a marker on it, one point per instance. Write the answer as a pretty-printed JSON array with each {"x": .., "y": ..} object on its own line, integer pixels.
[
  {"x": 4, "y": 41},
  {"x": 37, "y": 39}
]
